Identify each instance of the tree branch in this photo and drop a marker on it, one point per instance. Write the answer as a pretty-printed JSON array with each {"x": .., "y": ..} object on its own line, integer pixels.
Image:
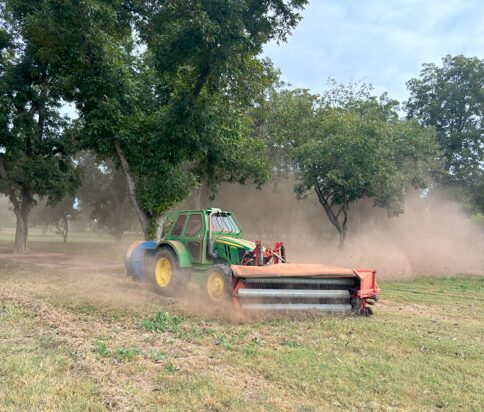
[
  {"x": 131, "y": 185},
  {"x": 327, "y": 208},
  {"x": 202, "y": 79},
  {"x": 3, "y": 172},
  {"x": 345, "y": 210},
  {"x": 331, "y": 194},
  {"x": 340, "y": 210}
]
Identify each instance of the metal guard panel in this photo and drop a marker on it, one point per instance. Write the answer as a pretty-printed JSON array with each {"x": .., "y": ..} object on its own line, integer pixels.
[
  {"x": 368, "y": 286},
  {"x": 182, "y": 253},
  {"x": 291, "y": 270}
]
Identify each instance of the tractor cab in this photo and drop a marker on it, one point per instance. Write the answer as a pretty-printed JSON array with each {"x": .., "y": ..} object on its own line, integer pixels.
[
  {"x": 223, "y": 223},
  {"x": 204, "y": 234}
]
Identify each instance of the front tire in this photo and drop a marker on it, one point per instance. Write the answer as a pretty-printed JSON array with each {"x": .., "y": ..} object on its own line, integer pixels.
[
  {"x": 217, "y": 286},
  {"x": 167, "y": 277}
]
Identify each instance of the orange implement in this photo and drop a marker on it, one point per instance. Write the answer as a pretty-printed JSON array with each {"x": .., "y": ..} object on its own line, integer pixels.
[
  {"x": 294, "y": 286},
  {"x": 292, "y": 270}
]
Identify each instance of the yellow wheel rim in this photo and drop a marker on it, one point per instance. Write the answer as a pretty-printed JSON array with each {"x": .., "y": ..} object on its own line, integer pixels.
[
  {"x": 163, "y": 272},
  {"x": 216, "y": 286}
]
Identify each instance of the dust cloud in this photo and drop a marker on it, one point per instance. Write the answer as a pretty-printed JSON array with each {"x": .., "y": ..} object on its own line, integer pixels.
[{"x": 433, "y": 236}]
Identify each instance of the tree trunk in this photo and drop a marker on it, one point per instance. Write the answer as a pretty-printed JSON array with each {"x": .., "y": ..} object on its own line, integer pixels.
[
  {"x": 21, "y": 209},
  {"x": 22, "y": 214},
  {"x": 65, "y": 233},
  {"x": 342, "y": 238},
  {"x": 198, "y": 195},
  {"x": 130, "y": 183},
  {"x": 159, "y": 227},
  {"x": 21, "y": 233},
  {"x": 326, "y": 202}
]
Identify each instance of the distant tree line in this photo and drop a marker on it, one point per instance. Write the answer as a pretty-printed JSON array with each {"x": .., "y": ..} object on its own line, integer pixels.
[{"x": 172, "y": 99}]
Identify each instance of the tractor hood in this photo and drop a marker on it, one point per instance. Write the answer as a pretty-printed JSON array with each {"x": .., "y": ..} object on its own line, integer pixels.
[{"x": 235, "y": 242}]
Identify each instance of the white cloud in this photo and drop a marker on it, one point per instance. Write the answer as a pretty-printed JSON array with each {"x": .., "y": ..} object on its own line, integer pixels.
[{"x": 382, "y": 42}]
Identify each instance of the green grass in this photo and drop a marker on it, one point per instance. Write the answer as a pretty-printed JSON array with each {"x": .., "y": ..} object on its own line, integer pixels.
[
  {"x": 64, "y": 348},
  {"x": 36, "y": 369},
  {"x": 162, "y": 322}
]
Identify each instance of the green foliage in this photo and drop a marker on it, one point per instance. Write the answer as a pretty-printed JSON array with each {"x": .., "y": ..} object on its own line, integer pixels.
[
  {"x": 348, "y": 145},
  {"x": 101, "y": 349},
  {"x": 127, "y": 353},
  {"x": 36, "y": 141},
  {"x": 162, "y": 322},
  {"x": 223, "y": 341},
  {"x": 121, "y": 353},
  {"x": 171, "y": 368},
  {"x": 450, "y": 98},
  {"x": 175, "y": 108}
]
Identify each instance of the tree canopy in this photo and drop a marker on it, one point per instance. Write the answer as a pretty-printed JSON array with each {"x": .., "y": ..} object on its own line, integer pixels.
[
  {"x": 174, "y": 95},
  {"x": 348, "y": 145},
  {"x": 161, "y": 87},
  {"x": 36, "y": 141},
  {"x": 450, "y": 98}
]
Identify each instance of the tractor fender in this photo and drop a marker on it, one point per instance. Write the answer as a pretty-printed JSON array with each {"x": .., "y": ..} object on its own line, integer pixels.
[{"x": 181, "y": 251}]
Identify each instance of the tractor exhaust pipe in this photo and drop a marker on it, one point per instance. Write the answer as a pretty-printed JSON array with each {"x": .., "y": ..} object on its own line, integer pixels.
[{"x": 210, "y": 251}]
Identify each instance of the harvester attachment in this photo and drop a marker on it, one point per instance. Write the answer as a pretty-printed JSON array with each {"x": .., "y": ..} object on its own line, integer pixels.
[{"x": 303, "y": 287}]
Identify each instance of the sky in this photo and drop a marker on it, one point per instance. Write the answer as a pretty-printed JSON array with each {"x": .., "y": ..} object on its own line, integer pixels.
[{"x": 382, "y": 42}]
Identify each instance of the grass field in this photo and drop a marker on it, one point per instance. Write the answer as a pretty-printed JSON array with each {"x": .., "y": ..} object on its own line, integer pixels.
[{"x": 77, "y": 338}]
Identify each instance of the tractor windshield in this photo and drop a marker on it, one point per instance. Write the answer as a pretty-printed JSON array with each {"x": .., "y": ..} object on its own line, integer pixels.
[{"x": 222, "y": 222}]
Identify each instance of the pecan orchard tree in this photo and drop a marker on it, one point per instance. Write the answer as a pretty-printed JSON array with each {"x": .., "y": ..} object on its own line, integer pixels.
[
  {"x": 348, "y": 145},
  {"x": 450, "y": 98},
  {"x": 36, "y": 141},
  {"x": 161, "y": 86}
]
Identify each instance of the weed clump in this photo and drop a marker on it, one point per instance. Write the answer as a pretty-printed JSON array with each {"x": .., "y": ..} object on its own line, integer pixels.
[
  {"x": 121, "y": 353},
  {"x": 127, "y": 353},
  {"x": 101, "y": 349},
  {"x": 162, "y": 322}
]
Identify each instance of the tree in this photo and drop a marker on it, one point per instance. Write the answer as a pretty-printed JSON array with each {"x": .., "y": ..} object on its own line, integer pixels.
[
  {"x": 238, "y": 158},
  {"x": 161, "y": 113},
  {"x": 348, "y": 145},
  {"x": 451, "y": 99},
  {"x": 59, "y": 215},
  {"x": 35, "y": 140},
  {"x": 104, "y": 192}
]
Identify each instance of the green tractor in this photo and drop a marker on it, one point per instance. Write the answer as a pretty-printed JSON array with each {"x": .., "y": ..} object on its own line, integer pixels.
[{"x": 206, "y": 247}]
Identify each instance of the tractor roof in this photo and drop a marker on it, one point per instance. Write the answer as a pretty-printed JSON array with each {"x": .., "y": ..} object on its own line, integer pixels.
[
  {"x": 173, "y": 214},
  {"x": 209, "y": 210}
]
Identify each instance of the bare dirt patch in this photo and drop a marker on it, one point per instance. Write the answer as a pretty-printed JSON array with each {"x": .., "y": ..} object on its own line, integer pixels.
[{"x": 60, "y": 260}]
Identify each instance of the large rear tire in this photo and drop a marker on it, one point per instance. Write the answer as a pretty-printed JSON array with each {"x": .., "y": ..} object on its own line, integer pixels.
[{"x": 168, "y": 278}]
